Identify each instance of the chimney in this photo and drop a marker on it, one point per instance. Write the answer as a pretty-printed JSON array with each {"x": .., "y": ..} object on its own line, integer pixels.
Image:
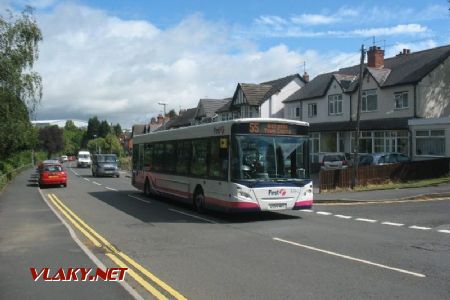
[
  {"x": 306, "y": 77},
  {"x": 160, "y": 119},
  {"x": 404, "y": 52},
  {"x": 375, "y": 57}
]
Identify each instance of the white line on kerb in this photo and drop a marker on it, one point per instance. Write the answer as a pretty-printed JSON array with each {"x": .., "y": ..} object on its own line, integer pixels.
[
  {"x": 366, "y": 220},
  {"x": 108, "y": 188},
  {"x": 392, "y": 224},
  {"x": 444, "y": 231},
  {"x": 351, "y": 258},
  {"x": 343, "y": 217},
  {"x": 323, "y": 213},
  {"x": 193, "y": 216},
  {"x": 139, "y": 199},
  {"x": 86, "y": 179},
  {"x": 94, "y": 182},
  {"x": 419, "y": 227}
]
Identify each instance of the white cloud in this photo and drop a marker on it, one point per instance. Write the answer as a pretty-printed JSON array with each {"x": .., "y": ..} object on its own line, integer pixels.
[
  {"x": 96, "y": 64},
  {"x": 401, "y": 29},
  {"x": 414, "y": 47},
  {"x": 314, "y": 19}
]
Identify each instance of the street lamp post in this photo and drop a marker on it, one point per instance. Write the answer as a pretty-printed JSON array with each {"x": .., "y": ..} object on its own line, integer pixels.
[
  {"x": 164, "y": 117},
  {"x": 96, "y": 143}
]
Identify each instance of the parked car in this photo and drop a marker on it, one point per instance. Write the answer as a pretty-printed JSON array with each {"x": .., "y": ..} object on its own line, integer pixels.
[
  {"x": 51, "y": 173},
  {"x": 63, "y": 158},
  {"x": 105, "y": 165},
  {"x": 333, "y": 161},
  {"x": 71, "y": 158},
  {"x": 84, "y": 159},
  {"x": 389, "y": 158}
]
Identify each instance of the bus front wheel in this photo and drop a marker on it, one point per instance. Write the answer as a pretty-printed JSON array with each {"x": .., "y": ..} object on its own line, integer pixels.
[{"x": 199, "y": 201}]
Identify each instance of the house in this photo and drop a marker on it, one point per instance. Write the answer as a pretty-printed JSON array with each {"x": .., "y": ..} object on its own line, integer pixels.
[
  {"x": 263, "y": 100},
  {"x": 206, "y": 110},
  {"x": 186, "y": 118},
  {"x": 396, "y": 90}
]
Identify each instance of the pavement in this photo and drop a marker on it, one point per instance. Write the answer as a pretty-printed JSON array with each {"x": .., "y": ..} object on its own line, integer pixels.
[
  {"x": 442, "y": 190},
  {"x": 32, "y": 236}
]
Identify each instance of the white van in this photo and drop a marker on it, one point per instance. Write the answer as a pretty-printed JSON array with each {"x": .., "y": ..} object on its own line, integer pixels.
[{"x": 84, "y": 159}]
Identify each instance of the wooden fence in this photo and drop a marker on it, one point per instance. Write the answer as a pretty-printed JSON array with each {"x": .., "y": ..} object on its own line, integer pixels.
[{"x": 414, "y": 170}]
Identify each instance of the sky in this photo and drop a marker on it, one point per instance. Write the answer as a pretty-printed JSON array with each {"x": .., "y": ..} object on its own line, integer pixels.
[{"x": 118, "y": 59}]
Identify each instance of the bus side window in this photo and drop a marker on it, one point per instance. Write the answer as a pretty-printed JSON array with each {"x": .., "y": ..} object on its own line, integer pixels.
[
  {"x": 199, "y": 157},
  {"x": 158, "y": 156},
  {"x": 170, "y": 159},
  {"x": 148, "y": 157},
  {"x": 141, "y": 156},
  {"x": 136, "y": 157},
  {"x": 183, "y": 157},
  {"x": 218, "y": 167}
]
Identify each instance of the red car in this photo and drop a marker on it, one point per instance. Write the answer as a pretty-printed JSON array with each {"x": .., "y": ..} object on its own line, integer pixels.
[{"x": 52, "y": 173}]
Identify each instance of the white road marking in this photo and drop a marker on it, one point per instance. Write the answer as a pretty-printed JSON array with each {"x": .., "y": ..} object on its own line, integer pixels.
[
  {"x": 193, "y": 216},
  {"x": 86, "y": 179},
  {"x": 323, "y": 213},
  {"x": 444, "y": 231},
  {"x": 94, "y": 182},
  {"x": 343, "y": 217},
  {"x": 139, "y": 199},
  {"x": 392, "y": 224},
  {"x": 307, "y": 210},
  {"x": 419, "y": 227},
  {"x": 351, "y": 258},
  {"x": 108, "y": 188},
  {"x": 366, "y": 220}
]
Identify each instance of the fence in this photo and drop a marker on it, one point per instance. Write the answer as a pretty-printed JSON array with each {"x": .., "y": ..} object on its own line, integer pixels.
[
  {"x": 6, "y": 177},
  {"x": 414, "y": 170}
]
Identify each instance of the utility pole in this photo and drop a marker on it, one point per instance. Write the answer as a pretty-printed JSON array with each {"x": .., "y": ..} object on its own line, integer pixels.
[{"x": 358, "y": 118}]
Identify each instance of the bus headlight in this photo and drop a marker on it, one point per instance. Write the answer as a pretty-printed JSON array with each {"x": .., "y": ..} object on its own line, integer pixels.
[{"x": 244, "y": 194}]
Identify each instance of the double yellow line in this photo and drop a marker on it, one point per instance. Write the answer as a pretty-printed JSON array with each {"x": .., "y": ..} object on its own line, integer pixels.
[{"x": 117, "y": 256}]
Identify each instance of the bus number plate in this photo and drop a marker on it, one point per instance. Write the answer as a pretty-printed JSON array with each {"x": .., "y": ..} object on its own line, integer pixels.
[{"x": 277, "y": 206}]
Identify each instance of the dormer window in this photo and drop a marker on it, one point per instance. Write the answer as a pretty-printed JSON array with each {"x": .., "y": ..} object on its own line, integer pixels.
[{"x": 335, "y": 104}]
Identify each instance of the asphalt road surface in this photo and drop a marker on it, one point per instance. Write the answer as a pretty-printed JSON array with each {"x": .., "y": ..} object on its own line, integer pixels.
[{"x": 375, "y": 251}]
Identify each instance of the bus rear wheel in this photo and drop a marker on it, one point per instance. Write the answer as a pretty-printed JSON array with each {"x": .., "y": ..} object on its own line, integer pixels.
[{"x": 199, "y": 201}]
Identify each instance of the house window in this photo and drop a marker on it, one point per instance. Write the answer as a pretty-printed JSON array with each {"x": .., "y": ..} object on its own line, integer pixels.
[
  {"x": 369, "y": 101},
  {"x": 297, "y": 111},
  {"x": 430, "y": 142},
  {"x": 401, "y": 100},
  {"x": 312, "y": 110},
  {"x": 335, "y": 104}
]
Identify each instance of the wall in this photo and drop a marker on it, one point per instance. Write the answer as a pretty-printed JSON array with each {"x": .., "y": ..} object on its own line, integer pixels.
[
  {"x": 386, "y": 101},
  {"x": 274, "y": 106},
  {"x": 433, "y": 92}
]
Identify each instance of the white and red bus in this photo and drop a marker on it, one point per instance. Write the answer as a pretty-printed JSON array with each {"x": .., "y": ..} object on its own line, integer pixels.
[{"x": 237, "y": 165}]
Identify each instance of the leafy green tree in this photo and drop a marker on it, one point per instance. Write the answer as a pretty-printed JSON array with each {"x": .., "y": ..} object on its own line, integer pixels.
[
  {"x": 93, "y": 128},
  {"x": 73, "y": 137},
  {"x": 20, "y": 86},
  {"x": 104, "y": 129},
  {"x": 70, "y": 125},
  {"x": 51, "y": 140},
  {"x": 117, "y": 129},
  {"x": 96, "y": 145},
  {"x": 172, "y": 114}
]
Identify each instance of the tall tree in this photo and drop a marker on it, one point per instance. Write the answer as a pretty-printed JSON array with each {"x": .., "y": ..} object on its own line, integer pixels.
[
  {"x": 93, "y": 128},
  {"x": 117, "y": 129},
  {"x": 20, "y": 86},
  {"x": 104, "y": 129},
  {"x": 51, "y": 140},
  {"x": 172, "y": 114}
]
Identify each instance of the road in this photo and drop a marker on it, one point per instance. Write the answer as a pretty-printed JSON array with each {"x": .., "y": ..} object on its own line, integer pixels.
[{"x": 375, "y": 251}]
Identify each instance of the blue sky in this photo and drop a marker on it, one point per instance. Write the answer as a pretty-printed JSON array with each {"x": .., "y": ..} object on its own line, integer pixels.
[{"x": 117, "y": 59}]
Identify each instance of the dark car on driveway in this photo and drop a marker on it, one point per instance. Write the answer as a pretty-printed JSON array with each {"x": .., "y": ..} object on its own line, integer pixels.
[{"x": 105, "y": 165}]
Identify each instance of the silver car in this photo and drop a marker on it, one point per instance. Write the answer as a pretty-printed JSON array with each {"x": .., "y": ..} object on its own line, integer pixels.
[{"x": 333, "y": 161}]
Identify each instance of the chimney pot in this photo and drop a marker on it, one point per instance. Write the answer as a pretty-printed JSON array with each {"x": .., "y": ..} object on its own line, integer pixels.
[{"x": 306, "y": 77}]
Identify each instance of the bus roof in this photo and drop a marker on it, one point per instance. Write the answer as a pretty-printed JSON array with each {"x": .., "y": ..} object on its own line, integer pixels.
[{"x": 208, "y": 129}]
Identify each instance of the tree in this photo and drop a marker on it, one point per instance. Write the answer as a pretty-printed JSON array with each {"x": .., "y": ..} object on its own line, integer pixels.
[
  {"x": 20, "y": 87},
  {"x": 73, "y": 137},
  {"x": 117, "y": 129},
  {"x": 70, "y": 125},
  {"x": 51, "y": 140},
  {"x": 172, "y": 114},
  {"x": 104, "y": 129},
  {"x": 93, "y": 128}
]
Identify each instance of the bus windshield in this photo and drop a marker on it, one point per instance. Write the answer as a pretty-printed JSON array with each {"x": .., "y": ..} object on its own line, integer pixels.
[{"x": 269, "y": 157}]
